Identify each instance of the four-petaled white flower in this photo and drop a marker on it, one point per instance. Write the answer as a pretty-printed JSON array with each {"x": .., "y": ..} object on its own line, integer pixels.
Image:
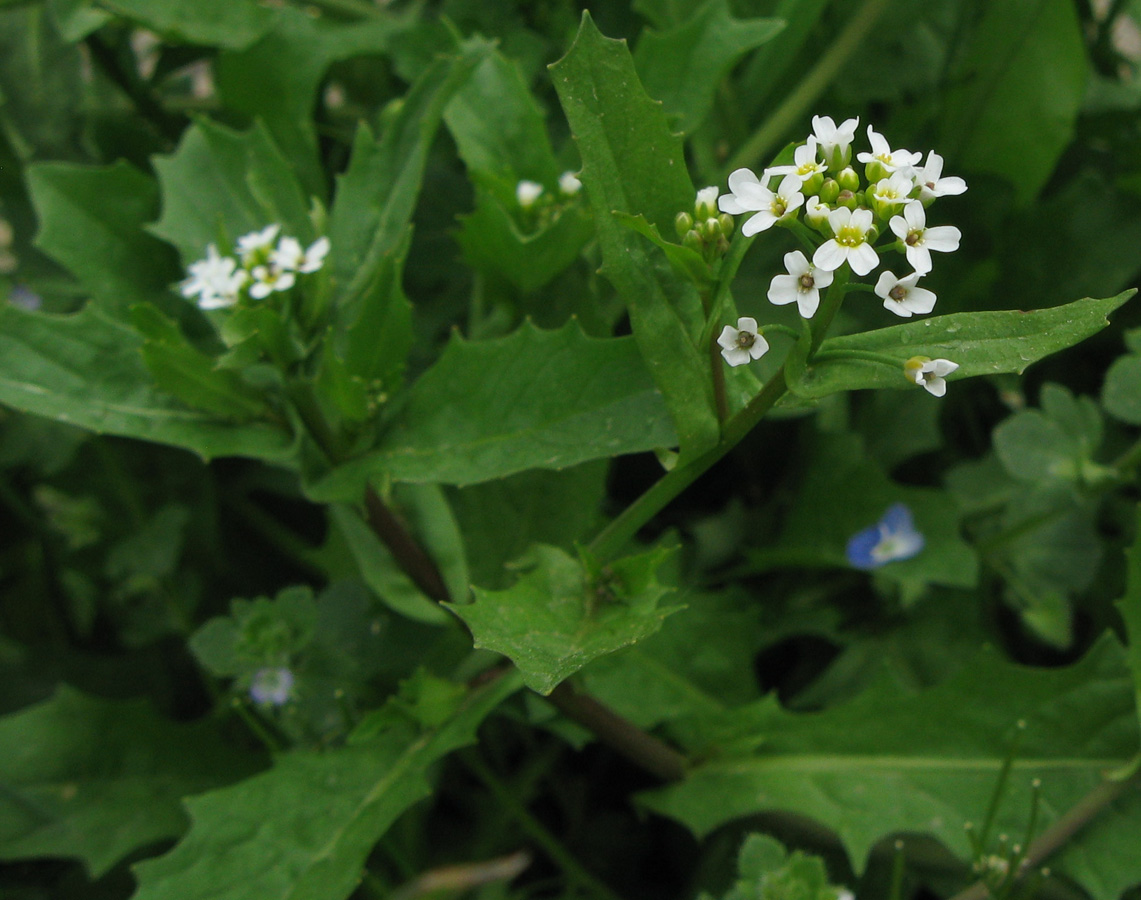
[
  {"x": 216, "y": 280},
  {"x": 835, "y": 140},
  {"x": 929, "y": 373},
  {"x": 882, "y": 153},
  {"x": 801, "y": 285},
  {"x": 805, "y": 163},
  {"x": 289, "y": 256},
  {"x": 931, "y": 182},
  {"x": 895, "y": 188},
  {"x": 902, "y": 297},
  {"x": 849, "y": 242},
  {"x": 750, "y": 194},
  {"x": 919, "y": 240},
  {"x": 257, "y": 243},
  {"x": 267, "y": 279},
  {"x": 569, "y": 184},
  {"x": 527, "y": 192},
  {"x": 742, "y": 344}
]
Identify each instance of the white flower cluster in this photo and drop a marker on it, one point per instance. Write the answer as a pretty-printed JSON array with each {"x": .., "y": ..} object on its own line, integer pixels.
[
  {"x": 849, "y": 216},
  {"x": 259, "y": 269}
]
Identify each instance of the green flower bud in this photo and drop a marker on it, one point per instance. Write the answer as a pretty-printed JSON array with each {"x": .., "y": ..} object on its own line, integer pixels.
[
  {"x": 683, "y": 223},
  {"x": 693, "y": 240},
  {"x": 874, "y": 171},
  {"x": 848, "y": 179},
  {"x": 830, "y": 190},
  {"x": 813, "y": 184},
  {"x": 727, "y": 224},
  {"x": 709, "y": 230},
  {"x": 848, "y": 199}
]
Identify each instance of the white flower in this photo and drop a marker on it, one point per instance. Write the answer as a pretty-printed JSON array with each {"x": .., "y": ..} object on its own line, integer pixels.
[
  {"x": 748, "y": 194},
  {"x": 527, "y": 192},
  {"x": 849, "y": 242},
  {"x": 257, "y": 243},
  {"x": 929, "y": 373},
  {"x": 216, "y": 280},
  {"x": 741, "y": 344},
  {"x": 289, "y": 257},
  {"x": 569, "y": 184},
  {"x": 895, "y": 188},
  {"x": 272, "y": 686},
  {"x": 882, "y": 153},
  {"x": 919, "y": 240},
  {"x": 805, "y": 163},
  {"x": 815, "y": 212},
  {"x": 268, "y": 279},
  {"x": 932, "y": 184},
  {"x": 902, "y": 297},
  {"x": 835, "y": 140},
  {"x": 801, "y": 285},
  {"x": 707, "y": 196}
]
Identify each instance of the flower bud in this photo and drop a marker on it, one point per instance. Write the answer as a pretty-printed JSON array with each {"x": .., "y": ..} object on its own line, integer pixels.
[
  {"x": 727, "y": 224},
  {"x": 848, "y": 179},
  {"x": 875, "y": 171},
  {"x": 848, "y": 199},
  {"x": 693, "y": 241},
  {"x": 710, "y": 230},
  {"x": 683, "y": 223},
  {"x": 813, "y": 184},
  {"x": 816, "y": 214},
  {"x": 705, "y": 206},
  {"x": 829, "y": 190}
]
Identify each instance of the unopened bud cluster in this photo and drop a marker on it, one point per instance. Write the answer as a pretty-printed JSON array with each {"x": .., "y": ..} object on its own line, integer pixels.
[
  {"x": 537, "y": 206},
  {"x": 705, "y": 231}
]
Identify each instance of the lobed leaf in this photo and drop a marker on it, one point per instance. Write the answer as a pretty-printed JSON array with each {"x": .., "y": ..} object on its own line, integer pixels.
[
  {"x": 892, "y": 761},
  {"x": 302, "y": 830},
  {"x": 557, "y": 617},
  {"x": 633, "y": 164},
  {"x": 96, "y": 779},
  {"x": 223, "y": 23},
  {"x": 532, "y": 400},
  {"x": 86, "y": 369}
]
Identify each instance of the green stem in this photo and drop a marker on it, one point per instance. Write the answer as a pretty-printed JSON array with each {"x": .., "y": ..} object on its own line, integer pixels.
[
  {"x": 552, "y": 846},
  {"x": 608, "y": 542},
  {"x": 865, "y": 355},
  {"x": 756, "y": 149}
]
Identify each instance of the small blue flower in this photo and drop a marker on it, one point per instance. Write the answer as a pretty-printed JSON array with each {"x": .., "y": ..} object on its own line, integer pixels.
[
  {"x": 892, "y": 537},
  {"x": 272, "y": 686}
]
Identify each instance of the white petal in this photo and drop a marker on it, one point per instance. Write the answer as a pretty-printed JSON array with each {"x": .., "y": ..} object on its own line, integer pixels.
[
  {"x": 863, "y": 258},
  {"x": 920, "y": 301},
  {"x": 884, "y": 285},
  {"x": 822, "y": 277},
  {"x": 919, "y": 258},
  {"x": 944, "y": 238},
  {"x": 829, "y": 256},
  {"x": 899, "y": 226},
  {"x": 796, "y": 263},
  {"x": 914, "y": 215},
  {"x": 808, "y": 303},
  {"x": 784, "y": 289},
  {"x": 739, "y": 178},
  {"x": 935, "y": 386},
  {"x": 896, "y": 307},
  {"x": 736, "y": 356},
  {"x": 942, "y": 367},
  {"x": 837, "y": 219},
  {"x": 747, "y": 323},
  {"x": 762, "y": 221},
  {"x": 862, "y": 219},
  {"x": 950, "y": 186},
  {"x": 760, "y": 347},
  {"x": 728, "y": 203},
  {"x": 728, "y": 338}
]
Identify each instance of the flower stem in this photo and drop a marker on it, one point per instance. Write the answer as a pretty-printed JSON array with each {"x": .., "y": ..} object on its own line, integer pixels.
[{"x": 759, "y": 145}]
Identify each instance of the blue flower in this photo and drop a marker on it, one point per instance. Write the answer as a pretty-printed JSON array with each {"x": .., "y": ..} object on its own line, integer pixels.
[
  {"x": 892, "y": 537},
  {"x": 272, "y": 686}
]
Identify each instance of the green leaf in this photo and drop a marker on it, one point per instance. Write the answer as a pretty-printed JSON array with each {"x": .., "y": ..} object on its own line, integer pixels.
[
  {"x": 192, "y": 376},
  {"x": 86, "y": 369},
  {"x": 633, "y": 164},
  {"x": 303, "y": 830},
  {"x": 927, "y": 762},
  {"x": 256, "y": 633},
  {"x": 532, "y": 400},
  {"x": 76, "y": 19},
  {"x": 1121, "y": 392},
  {"x": 492, "y": 241},
  {"x": 377, "y": 195},
  {"x": 683, "y": 66},
  {"x": 685, "y": 261},
  {"x": 1056, "y": 442},
  {"x": 91, "y": 221},
  {"x": 982, "y": 343},
  {"x": 1013, "y": 105},
  {"x": 222, "y": 23},
  {"x": 769, "y": 872},
  {"x": 221, "y": 184},
  {"x": 96, "y": 779},
  {"x": 499, "y": 127},
  {"x": 1130, "y": 608},
  {"x": 277, "y": 78},
  {"x": 558, "y": 617}
]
